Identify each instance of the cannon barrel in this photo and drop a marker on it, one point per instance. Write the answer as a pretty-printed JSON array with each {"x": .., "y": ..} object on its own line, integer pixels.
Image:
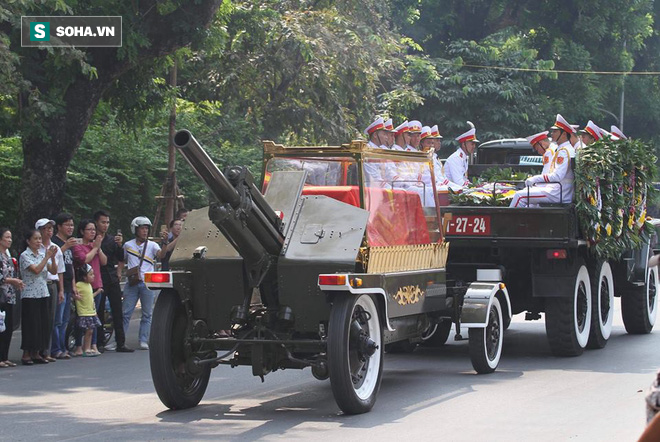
[{"x": 243, "y": 216}]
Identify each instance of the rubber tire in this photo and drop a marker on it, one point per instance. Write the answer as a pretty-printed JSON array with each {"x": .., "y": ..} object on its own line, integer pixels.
[
  {"x": 439, "y": 336},
  {"x": 561, "y": 323},
  {"x": 350, "y": 399},
  {"x": 166, "y": 351},
  {"x": 482, "y": 362},
  {"x": 637, "y": 310},
  {"x": 602, "y": 294}
]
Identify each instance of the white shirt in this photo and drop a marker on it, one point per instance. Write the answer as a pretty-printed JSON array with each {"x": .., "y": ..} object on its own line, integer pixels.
[
  {"x": 59, "y": 260},
  {"x": 456, "y": 168},
  {"x": 132, "y": 254}
]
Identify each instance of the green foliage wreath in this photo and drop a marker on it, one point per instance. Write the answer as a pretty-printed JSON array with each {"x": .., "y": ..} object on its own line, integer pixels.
[{"x": 613, "y": 184}]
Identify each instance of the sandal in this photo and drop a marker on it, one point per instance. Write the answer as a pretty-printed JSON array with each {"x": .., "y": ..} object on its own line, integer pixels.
[
  {"x": 10, "y": 364},
  {"x": 63, "y": 355},
  {"x": 39, "y": 361},
  {"x": 3, "y": 365},
  {"x": 27, "y": 362},
  {"x": 90, "y": 354},
  {"x": 49, "y": 359}
]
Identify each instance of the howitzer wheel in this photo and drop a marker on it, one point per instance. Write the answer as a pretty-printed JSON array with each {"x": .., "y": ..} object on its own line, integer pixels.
[
  {"x": 602, "y": 304},
  {"x": 639, "y": 305},
  {"x": 178, "y": 382},
  {"x": 355, "y": 352},
  {"x": 486, "y": 343},
  {"x": 568, "y": 319}
]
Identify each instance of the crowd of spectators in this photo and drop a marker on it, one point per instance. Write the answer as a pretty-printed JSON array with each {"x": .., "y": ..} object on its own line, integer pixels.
[{"x": 59, "y": 274}]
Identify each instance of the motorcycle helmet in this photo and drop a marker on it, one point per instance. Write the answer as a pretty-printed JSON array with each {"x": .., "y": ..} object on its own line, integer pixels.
[{"x": 139, "y": 221}]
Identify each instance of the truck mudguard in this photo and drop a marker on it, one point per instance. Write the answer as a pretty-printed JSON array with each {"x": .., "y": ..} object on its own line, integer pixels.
[{"x": 477, "y": 302}]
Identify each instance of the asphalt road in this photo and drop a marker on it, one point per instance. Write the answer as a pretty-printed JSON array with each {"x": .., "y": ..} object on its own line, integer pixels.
[{"x": 432, "y": 394}]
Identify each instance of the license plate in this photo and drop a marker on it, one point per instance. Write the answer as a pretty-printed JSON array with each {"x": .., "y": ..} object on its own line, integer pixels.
[{"x": 469, "y": 225}]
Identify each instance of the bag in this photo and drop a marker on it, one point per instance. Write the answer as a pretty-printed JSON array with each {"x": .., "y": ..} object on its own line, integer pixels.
[
  {"x": 3, "y": 327},
  {"x": 133, "y": 274}
]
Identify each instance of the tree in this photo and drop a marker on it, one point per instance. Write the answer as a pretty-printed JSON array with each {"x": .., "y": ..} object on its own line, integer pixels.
[
  {"x": 59, "y": 88},
  {"x": 298, "y": 71}
]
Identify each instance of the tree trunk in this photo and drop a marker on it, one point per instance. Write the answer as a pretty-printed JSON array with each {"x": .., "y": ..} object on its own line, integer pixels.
[{"x": 45, "y": 162}]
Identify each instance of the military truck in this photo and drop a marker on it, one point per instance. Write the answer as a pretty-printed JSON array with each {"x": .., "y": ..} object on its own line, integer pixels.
[
  {"x": 336, "y": 259},
  {"x": 544, "y": 260}
]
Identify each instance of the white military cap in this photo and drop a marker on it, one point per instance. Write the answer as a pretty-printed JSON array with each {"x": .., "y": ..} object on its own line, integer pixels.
[
  {"x": 616, "y": 131},
  {"x": 470, "y": 135},
  {"x": 378, "y": 124}
]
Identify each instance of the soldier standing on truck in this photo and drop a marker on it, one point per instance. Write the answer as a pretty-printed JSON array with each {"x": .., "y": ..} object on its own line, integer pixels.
[
  {"x": 389, "y": 134},
  {"x": 376, "y": 173},
  {"x": 456, "y": 165},
  {"x": 399, "y": 139},
  {"x": 591, "y": 133},
  {"x": 438, "y": 167},
  {"x": 413, "y": 136},
  {"x": 618, "y": 133},
  {"x": 560, "y": 172},
  {"x": 376, "y": 133}
]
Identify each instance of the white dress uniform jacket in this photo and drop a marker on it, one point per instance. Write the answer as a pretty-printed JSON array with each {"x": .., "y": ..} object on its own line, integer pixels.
[
  {"x": 456, "y": 168},
  {"x": 560, "y": 171},
  {"x": 374, "y": 170}
]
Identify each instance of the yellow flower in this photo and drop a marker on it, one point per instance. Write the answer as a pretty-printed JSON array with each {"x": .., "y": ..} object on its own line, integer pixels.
[
  {"x": 592, "y": 200},
  {"x": 608, "y": 229}
]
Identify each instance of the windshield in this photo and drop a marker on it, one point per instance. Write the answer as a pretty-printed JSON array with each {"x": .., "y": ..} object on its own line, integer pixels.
[{"x": 398, "y": 192}]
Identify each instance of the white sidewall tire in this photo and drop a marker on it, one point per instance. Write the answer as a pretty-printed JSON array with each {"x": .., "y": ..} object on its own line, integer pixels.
[
  {"x": 652, "y": 279},
  {"x": 496, "y": 360},
  {"x": 605, "y": 327},
  {"x": 373, "y": 371},
  {"x": 582, "y": 279}
]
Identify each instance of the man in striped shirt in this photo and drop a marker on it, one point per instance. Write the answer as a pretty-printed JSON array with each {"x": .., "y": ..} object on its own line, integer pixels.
[{"x": 133, "y": 251}]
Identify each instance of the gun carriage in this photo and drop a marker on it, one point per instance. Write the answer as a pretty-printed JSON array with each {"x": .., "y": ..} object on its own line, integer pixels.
[{"x": 324, "y": 270}]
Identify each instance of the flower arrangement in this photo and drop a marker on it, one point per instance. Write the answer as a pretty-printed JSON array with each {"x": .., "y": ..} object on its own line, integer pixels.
[{"x": 613, "y": 183}]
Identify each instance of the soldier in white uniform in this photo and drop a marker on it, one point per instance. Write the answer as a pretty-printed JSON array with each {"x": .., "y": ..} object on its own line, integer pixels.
[
  {"x": 542, "y": 146},
  {"x": 591, "y": 133},
  {"x": 399, "y": 140},
  {"x": 375, "y": 172},
  {"x": 456, "y": 165},
  {"x": 413, "y": 136},
  {"x": 618, "y": 133},
  {"x": 389, "y": 134},
  {"x": 560, "y": 172},
  {"x": 377, "y": 134},
  {"x": 576, "y": 139}
]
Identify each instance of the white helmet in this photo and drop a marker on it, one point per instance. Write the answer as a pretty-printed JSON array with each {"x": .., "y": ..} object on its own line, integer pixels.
[{"x": 139, "y": 221}]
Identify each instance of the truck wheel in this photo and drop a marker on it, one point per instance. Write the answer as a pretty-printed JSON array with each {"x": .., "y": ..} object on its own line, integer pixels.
[
  {"x": 486, "y": 343},
  {"x": 568, "y": 319},
  {"x": 179, "y": 383},
  {"x": 437, "y": 335},
  {"x": 639, "y": 305},
  {"x": 355, "y": 352},
  {"x": 602, "y": 304}
]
